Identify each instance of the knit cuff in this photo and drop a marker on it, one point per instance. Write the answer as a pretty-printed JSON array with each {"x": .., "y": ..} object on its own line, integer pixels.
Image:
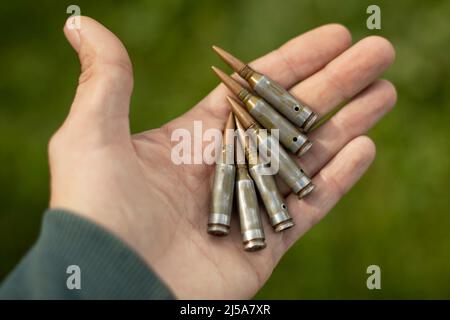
[{"x": 105, "y": 266}]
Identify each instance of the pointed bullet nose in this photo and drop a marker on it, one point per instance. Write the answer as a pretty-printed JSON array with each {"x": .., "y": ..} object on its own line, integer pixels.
[
  {"x": 236, "y": 64},
  {"x": 241, "y": 133},
  {"x": 232, "y": 84},
  {"x": 235, "y": 107},
  {"x": 228, "y": 135},
  {"x": 230, "y": 122},
  {"x": 245, "y": 119},
  {"x": 238, "y": 124}
]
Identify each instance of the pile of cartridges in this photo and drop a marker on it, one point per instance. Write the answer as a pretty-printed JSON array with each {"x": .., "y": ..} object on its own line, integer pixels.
[{"x": 269, "y": 106}]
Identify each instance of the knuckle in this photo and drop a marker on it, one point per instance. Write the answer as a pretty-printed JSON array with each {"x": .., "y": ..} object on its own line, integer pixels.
[
  {"x": 116, "y": 72},
  {"x": 87, "y": 59},
  {"x": 114, "y": 76}
]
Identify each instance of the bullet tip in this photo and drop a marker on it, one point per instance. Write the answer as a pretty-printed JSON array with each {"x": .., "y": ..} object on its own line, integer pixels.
[
  {"x": 236, "y": 64},
  {"x": 245, "y": 119},
  {"x": 238, "y": 123},
  {"x": 232, "y": 84},
  {"x": 230, "y": 124}
]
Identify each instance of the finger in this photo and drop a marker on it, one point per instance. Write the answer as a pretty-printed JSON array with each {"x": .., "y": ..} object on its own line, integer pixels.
[
  {"x": 294, "y": 61},
  {"x": 106, "y": 80},
  {"x": 346, "y": 75},
  {"x": 304, "y": 55},
  {"x": 355, "y": 119},
  {"x": 332, "y": 182}
]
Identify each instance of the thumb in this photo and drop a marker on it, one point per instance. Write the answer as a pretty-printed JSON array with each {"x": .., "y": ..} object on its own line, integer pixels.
[{"x": 106, "y": 80}]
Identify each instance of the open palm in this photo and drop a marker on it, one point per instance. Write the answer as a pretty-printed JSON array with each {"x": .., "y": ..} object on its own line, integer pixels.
[{"x": 129, "y": 185}]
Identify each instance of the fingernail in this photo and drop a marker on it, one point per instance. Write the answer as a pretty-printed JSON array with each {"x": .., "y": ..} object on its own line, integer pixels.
[{"x": 72, "y": 31}]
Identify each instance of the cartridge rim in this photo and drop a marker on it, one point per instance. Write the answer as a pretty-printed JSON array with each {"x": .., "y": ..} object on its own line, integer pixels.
[
  {"x": 284, "y": 225},
  {"x": 254, "y": 245},
  {"x": 304, "y": 148},
  {"x": 280, "y": 217},
  {"x": 219, "y": 224},
  {"x": 310, "y": 121},
  {"x": 306, "y": 190},
  {"x": 218, "y": 230}
]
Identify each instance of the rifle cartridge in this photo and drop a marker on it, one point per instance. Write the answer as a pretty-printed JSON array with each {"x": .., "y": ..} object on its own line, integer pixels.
[
  {"x": 296, "y": 111},
  {"x": 223, "y": 187},
  {"x": 277, "y": 210},
  {"x": 252, "y": 230}
]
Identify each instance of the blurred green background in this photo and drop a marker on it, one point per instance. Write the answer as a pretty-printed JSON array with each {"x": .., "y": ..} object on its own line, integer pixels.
[{"x": 398, "y": 215}]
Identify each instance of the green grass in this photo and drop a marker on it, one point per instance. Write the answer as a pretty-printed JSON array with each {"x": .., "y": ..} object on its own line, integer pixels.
[{"x": 397, "y": 216}]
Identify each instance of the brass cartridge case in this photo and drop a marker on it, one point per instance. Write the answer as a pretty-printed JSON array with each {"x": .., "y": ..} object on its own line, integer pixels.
[
  {"x": 288, "y": 170},
  {"x": 278, "y": 97},
  {"x": 277, "y": 210},
  {"x": 223, "y": 187}
]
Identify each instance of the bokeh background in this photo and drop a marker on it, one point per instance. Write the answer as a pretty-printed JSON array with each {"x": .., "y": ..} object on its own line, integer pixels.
[{"x": 397, "y": 216}]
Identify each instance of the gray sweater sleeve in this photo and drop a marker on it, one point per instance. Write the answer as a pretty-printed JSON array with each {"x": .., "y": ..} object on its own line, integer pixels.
[{"x": 77, "y": 259}]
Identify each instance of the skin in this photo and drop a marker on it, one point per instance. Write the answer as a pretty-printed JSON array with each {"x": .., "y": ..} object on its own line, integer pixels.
[{"x": 128, "y": 184}]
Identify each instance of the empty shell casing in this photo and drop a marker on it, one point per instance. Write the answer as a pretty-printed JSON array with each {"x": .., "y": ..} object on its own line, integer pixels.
[
  {"x": 223, "y": 187},
  {"x": 273, "y": 201},
  {"x": 249, "y": 216},
  {"x": 297, "y": 112},
  {"x": 290, "y": 137},
  {"x": 288, "y": 169}
]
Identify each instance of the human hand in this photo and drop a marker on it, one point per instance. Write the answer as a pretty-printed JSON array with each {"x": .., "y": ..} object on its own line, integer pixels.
[{"x": 129, "y": 185}]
